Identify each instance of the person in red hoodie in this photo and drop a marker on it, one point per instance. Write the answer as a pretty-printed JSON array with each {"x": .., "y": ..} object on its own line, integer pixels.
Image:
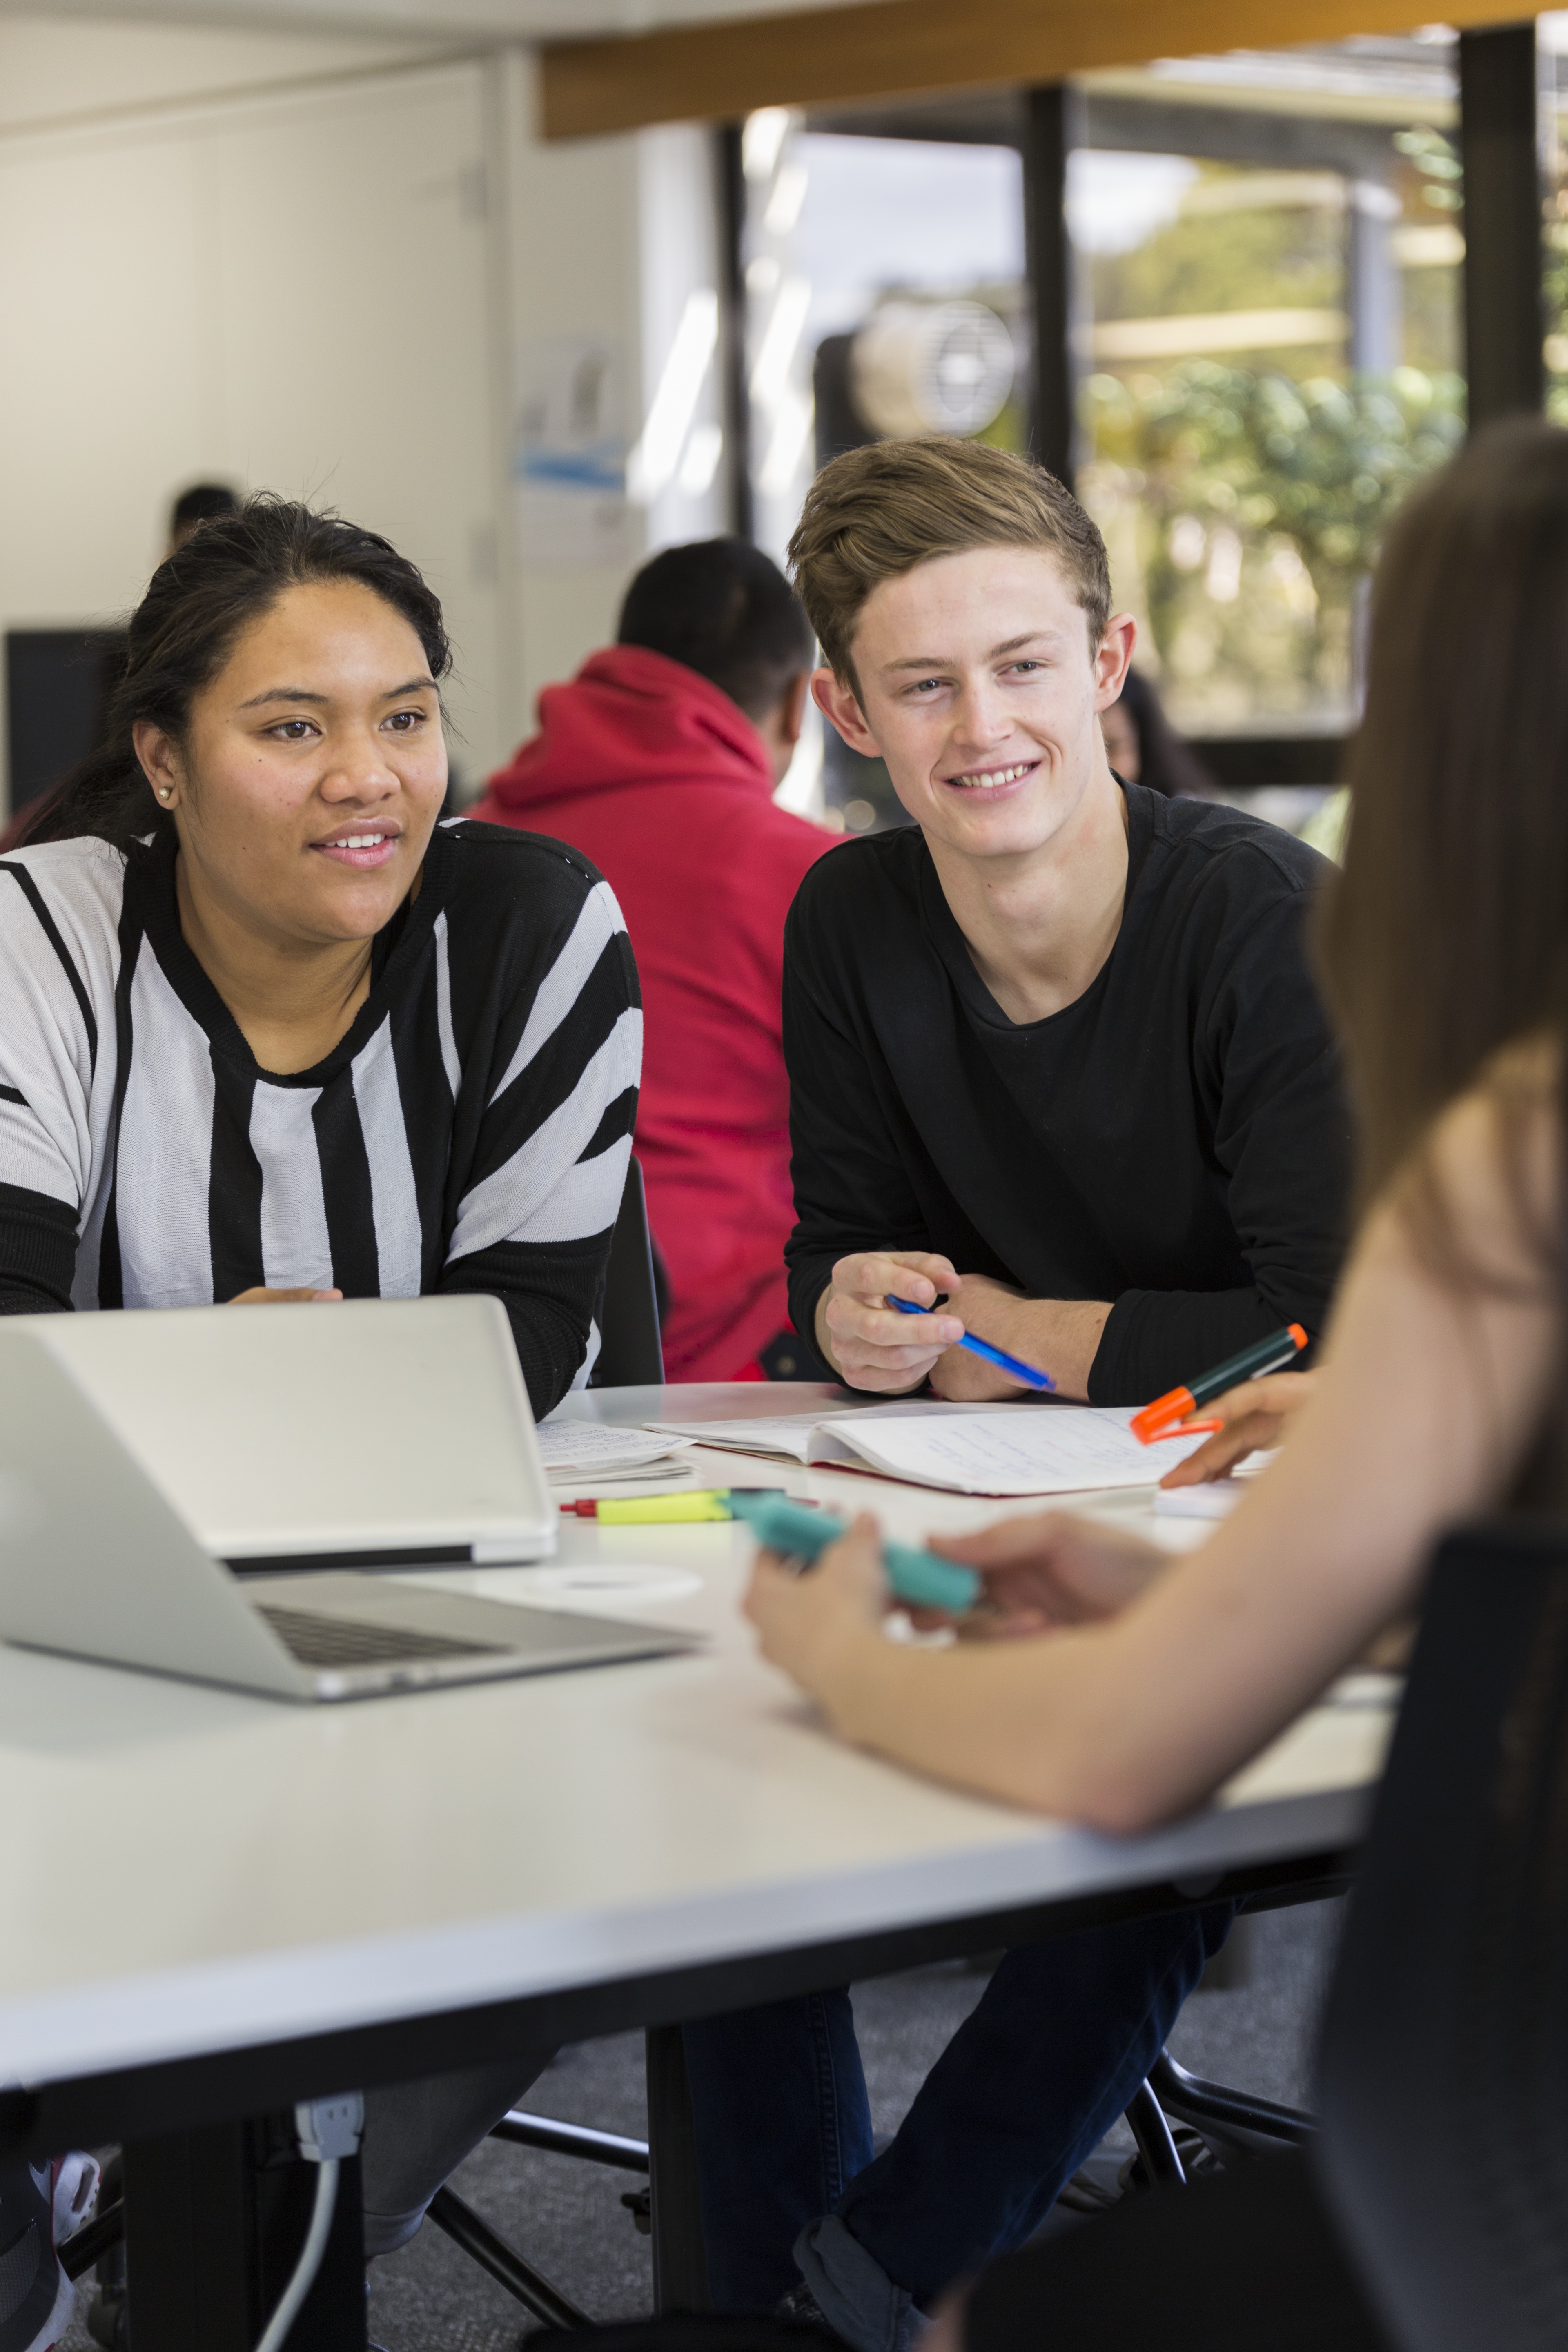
[{"x": 659, "y": 762}]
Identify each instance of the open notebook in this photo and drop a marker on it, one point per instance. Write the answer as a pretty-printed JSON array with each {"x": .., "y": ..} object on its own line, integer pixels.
[{"x": 1010, "y": 1449}]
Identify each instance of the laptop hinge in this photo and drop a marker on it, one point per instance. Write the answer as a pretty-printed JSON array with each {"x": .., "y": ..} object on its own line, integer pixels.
[{"x": 313, "y": 1562}]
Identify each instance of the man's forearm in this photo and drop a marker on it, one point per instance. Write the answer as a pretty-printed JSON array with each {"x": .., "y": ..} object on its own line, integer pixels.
[{"x": 1058, "y": 1336}]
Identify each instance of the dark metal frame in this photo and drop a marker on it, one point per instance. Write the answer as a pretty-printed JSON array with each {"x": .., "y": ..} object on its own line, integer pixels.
[
  {"x": 1053, "y": 127},
  {"x": 1499, "y": 140},
  {"x": 735, "y": 406},
  {"x": 485, "y": 2246},
  {"x": 1239, "y": 2119}
]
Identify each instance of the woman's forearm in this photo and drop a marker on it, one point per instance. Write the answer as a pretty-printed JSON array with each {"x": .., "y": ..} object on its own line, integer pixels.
[{"x": 1019, "y": 1721}]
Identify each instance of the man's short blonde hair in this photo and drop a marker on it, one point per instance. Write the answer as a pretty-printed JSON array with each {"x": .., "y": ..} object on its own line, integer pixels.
[{"x": 876, "y": 512}]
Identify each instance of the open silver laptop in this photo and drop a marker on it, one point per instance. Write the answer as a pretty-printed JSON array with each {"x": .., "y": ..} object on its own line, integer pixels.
[
  {"x": 373, "y": 1433},
  {"x": 95, "y": 1562}
]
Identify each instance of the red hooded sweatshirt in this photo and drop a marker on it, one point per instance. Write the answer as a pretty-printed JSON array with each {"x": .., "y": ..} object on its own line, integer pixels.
[{"x": 654, "y": 774}]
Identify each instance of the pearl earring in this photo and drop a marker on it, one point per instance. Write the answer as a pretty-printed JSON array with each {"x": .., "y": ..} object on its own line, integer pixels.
[{"x": 164, "y": 791}]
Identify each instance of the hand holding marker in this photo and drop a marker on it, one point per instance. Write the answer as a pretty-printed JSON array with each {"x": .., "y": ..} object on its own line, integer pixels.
[
  {"x": 803, "y": 1533},
  {"x": 795, "y": 1529},
  {"x": 1164, "y": 1417},
  {"x": 1031, "y": 1378}
]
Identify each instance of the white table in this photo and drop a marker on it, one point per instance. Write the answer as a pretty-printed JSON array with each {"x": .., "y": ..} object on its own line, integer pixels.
[{"x": 216, "y": 1904}]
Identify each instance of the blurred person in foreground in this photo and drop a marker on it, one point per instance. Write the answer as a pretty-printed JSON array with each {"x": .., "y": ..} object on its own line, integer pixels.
[
  {"x": 659, "y": 762},
  {"x": 1113, "y": 1687}
]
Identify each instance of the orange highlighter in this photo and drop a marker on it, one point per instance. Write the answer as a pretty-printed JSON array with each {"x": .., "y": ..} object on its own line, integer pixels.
[{"x": 1165, "y": 1417}]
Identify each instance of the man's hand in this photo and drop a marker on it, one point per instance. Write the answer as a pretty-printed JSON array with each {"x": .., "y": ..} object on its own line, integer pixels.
[
  {"x": 873, "y": 1346},
  {"x": 261, "y": 1296},
  {"x": 1051, "y": 1570},
  {"x": 1058, "y": 1336},
  {"x": 1257, "y": 1414}
]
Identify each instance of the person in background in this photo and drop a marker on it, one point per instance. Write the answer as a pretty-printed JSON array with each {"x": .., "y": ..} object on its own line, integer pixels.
[
  {"x": 1054, "y": 1053},
  {"x": 1143, "y": 748},
  {"x": 659, "y": 762},
  {"x": 201, "y": 503}
]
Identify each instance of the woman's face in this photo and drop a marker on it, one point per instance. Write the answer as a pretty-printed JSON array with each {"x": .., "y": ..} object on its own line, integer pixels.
[{"x": 312, "y": 771}]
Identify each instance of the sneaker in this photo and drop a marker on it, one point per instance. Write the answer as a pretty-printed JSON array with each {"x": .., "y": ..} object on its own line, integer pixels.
[
  {"x": 37, "y": 2299},
  {"x": 75, "y": 2193},
  {"x": 801, "y": 2305}
]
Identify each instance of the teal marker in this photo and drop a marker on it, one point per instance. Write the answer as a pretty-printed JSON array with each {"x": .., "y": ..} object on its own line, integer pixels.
[{"x": 917, "y": 1577}]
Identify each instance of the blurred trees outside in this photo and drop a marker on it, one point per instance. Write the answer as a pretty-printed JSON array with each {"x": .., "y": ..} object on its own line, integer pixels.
[
  {"x": 1243, "y": 497},
  {"x": 1242, "y": 510}
]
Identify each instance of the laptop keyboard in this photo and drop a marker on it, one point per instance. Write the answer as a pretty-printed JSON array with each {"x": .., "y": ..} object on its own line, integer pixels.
[{"x": 318, "y": 1641}]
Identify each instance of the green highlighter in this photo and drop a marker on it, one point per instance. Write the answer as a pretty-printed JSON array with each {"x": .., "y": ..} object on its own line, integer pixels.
[{"x": 918, "y": 1577}]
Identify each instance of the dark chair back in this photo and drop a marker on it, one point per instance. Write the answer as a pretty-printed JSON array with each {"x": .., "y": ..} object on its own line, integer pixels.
[
  {"x": 1445, "y": 2056},
  {"x": 630, "y": 1354}
]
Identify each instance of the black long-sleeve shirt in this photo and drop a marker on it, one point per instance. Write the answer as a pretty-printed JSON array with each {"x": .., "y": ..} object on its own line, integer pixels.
[
  {"x": 1176, "y": 1141},
  {"x": 469, "y": 1133}
]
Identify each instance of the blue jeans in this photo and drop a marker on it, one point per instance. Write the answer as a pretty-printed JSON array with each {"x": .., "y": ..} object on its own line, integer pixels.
[{"x": 1063, "y": 2036}]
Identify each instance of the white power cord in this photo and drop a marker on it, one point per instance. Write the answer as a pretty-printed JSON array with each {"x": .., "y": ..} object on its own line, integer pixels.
[{"x": 329, "y": 2130}]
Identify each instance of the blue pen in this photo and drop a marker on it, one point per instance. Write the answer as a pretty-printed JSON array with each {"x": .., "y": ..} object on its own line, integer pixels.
[
  {"x": 998, "y": 1356},
  {"x": 919, "y": 1578}
]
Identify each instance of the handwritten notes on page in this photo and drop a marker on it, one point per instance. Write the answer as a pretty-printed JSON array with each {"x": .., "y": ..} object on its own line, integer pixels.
[{"x": 1016, "y": 1449}]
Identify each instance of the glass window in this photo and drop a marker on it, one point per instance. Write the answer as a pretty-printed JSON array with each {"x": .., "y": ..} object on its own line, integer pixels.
[
  {"x": 1268, "y": 259},
  {"x": 884, "y": 294},
  {"x": 1552, "y": 35},
  {"x": 1268, "y": 342}
]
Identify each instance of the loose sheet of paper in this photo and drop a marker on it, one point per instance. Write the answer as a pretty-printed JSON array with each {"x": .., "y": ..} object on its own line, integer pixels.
[
  {"x": 596, "y": 1449},
  {"x": 795, "y": 1436},
  {"x": 1018, "y": 1449},
  {"x": 791, "y": 1439}
]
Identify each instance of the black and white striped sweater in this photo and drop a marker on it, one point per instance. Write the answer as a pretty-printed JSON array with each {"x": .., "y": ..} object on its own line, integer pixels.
[{"x": 470, "y": 1132}]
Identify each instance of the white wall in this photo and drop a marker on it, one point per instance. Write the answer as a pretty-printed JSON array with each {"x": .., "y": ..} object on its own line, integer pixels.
[
  {"x": 311, "y": 267},
  {"x": 55, "y": 69},
  {"x": 610, "y": 237}
]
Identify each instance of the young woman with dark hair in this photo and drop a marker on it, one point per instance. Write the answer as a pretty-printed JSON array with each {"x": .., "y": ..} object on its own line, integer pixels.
[
  {"x": 265, "y": 1027},
  {"x": 272, "y": 1032},
  {"x": 1132, "y": 1687}
]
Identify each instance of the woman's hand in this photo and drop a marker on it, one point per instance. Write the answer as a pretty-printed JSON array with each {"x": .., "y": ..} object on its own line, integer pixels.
[
  {"x": 812, "y": 1624},
  {"x": 1051, "y": 1570},
  {"x": 1257, "y": 1414},
  {"x": 261, "y": 1296}
]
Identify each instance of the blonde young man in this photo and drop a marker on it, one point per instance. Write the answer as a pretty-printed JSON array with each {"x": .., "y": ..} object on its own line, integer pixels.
[{"x": 1059, "y": 1071}]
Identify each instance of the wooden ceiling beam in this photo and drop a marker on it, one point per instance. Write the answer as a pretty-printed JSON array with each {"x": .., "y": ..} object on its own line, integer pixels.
[{"x": 722, "y": 70}]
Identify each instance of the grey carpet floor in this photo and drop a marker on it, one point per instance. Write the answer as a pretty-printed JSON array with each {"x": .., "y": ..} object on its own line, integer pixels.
[{"x": 567, "y": 2218}]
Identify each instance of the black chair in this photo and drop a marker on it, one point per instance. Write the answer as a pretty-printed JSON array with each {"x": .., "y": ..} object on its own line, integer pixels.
[
  {"x": 1430, "y": 2214},
  {"x": 630, "y": 1355},
  {"x": 1445, "y": 2055}
]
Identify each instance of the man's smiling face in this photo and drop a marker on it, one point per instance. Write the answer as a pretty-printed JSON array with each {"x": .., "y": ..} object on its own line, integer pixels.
[{"x": 980, "y": 689}]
